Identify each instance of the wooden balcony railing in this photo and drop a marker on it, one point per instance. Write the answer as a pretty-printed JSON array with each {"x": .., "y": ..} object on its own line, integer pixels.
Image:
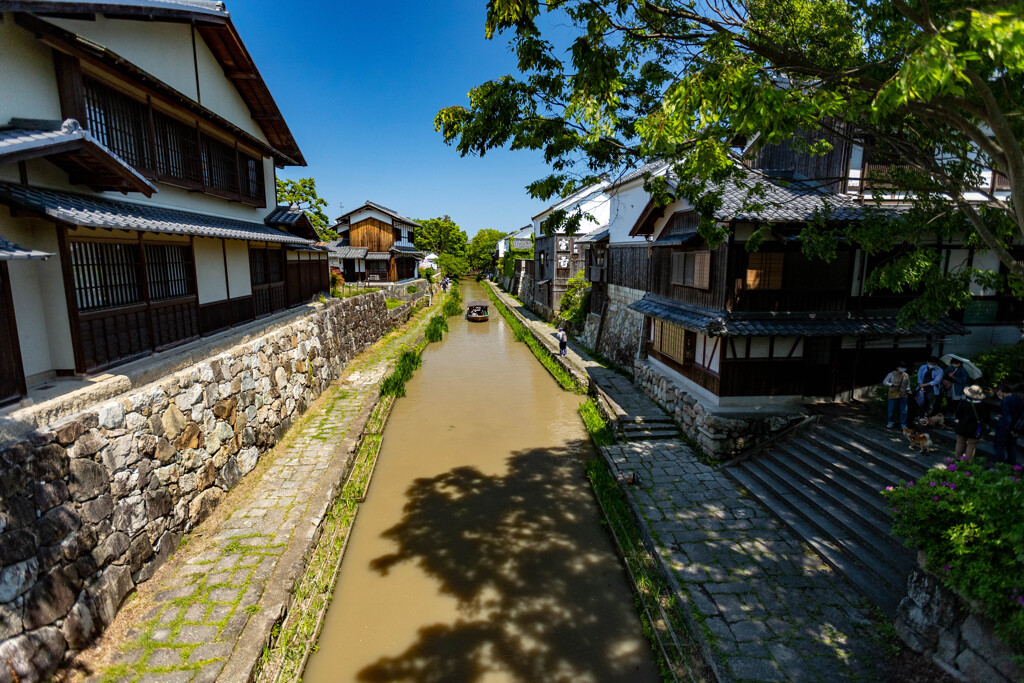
[{"x": 775, "y": 301}]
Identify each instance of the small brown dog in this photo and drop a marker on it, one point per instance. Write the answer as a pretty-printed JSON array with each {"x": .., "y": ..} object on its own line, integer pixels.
[{"x": 919, "y": 440}]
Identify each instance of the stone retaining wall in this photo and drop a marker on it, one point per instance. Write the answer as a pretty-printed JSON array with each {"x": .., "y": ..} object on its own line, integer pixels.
[
  {"x": 935, "y": 621},
  {"x": 622, "y": 329},
  {"x": 720, "y": 436},
  {"x": 94, "y": 504}
]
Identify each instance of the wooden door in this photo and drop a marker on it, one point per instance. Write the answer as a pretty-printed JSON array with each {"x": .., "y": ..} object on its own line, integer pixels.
[
  {"x": 821, "y": 356},
  {"x": 12, "y": 374}
]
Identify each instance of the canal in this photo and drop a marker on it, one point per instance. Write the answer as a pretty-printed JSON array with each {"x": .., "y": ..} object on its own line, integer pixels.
[{"x": 479, "y": 553}]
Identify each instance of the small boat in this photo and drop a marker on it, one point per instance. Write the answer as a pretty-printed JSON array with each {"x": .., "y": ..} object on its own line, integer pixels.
[{"x": 476, "y": 311}]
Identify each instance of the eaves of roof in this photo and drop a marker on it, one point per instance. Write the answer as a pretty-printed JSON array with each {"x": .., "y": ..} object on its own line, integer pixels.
[
  {"x": 383, "y": 209},
  {"x": 716, "y": 323},
  {"x": 72, "y": 209},
  {"x": 12, "y": 252}
]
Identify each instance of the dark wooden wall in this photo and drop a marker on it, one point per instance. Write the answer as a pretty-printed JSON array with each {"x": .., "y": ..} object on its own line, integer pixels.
[
  {"x": 661, "y": 278},
  {"x": 628, "y": 266},
  {"x": 373, "y": 234},
  {"x": 830, "y": 169},
  {"x": 12, "y": 374}
]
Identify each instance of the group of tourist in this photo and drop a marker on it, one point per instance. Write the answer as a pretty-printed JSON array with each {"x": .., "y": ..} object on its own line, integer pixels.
[{"x": 941, "y": 396}]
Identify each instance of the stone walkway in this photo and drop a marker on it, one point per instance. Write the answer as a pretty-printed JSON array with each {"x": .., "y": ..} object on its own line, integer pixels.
[
  {"x": 233, "y": 576},
  {"x": 765, "y": 604}
]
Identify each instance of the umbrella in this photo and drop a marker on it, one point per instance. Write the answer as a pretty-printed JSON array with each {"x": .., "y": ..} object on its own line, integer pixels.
[{"x": 972, "y": 370}]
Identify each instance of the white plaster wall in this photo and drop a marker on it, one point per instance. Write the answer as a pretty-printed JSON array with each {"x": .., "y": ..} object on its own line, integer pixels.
[
  {"x": 625, "y": 207},
  {"x": 218, "y": 93},
  {"x": 758, "y": 347},
  {"x": 239, "y": 278},
  {"x": 40, "y": 305},
  {"x": 210, "y": 270},
  {"x": 26, "y": 68},
  {"x": 987, "y": 260},
  {"x": 369, "y": 213}
]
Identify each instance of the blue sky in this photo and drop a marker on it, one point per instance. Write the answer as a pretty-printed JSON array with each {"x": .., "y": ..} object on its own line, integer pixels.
[{"x": 359, "y": 84}]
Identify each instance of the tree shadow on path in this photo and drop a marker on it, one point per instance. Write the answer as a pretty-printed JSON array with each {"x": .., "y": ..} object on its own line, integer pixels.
[{"x": 541, "y": 593}]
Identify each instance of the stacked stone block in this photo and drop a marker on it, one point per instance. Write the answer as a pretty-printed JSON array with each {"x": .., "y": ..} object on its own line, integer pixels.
[
  {"x": 94, "y": 504},
  {"x": 718, "y": 436}
]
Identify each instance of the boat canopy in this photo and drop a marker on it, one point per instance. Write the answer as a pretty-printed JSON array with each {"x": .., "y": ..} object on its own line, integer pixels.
[{"x": 478, "y": 304}]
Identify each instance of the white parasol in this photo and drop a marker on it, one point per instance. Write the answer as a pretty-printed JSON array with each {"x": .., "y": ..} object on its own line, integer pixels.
[{"x": 972, "y": 370}]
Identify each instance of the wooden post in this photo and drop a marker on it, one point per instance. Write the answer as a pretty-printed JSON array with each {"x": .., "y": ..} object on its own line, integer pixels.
[
  {"x": 69, "y": 294},
  {"x": 144, "y": 279}
]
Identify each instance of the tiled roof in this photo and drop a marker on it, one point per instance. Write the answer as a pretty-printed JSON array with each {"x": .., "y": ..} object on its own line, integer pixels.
[
  {"x": 519, "y": 243},
  {"x": 378, "y": 256},
  {"x": 783, "y": 200},
  {"x": 385, "y": 210},
  {"x": 593, "y": 236},
  {"x": 12, "y": 252},
  {"x": 740, "y": 324},
  {"x": 25, "y": 138},
  {"x": 129, "y": 6},
  {"x": 575, "y": 198},
  {"x": 407, "y": 251},
  {"x": 652, "y": 167},
  {"x": 349, "y": 252},
  {"x": 284, "y": 215},
  {"x": 100, "y": 212}
]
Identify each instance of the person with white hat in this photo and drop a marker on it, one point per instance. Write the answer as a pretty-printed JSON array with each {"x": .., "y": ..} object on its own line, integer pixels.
[{"x": 970, "y": 425}]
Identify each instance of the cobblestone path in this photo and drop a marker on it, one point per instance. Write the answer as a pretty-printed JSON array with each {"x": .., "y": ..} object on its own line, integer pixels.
[
  {"x": 766, "y": 605},
  {"x": 191, "y": 620}
]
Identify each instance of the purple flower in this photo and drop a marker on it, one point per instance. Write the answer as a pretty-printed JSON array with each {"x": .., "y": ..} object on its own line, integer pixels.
[
  {"x": 951, "y": 468},
  {"x": 948, "y": 460},
  {"x": 931, "y": 483},
  {"x": 1018, "y": 468},
  {"x": 967, "y": 474},
  {"x": 910, "y": 483},
  {"x": 945, "y": 567},
  {"x": 888, "y": 488},
  {"x": 935, "y": 497}
]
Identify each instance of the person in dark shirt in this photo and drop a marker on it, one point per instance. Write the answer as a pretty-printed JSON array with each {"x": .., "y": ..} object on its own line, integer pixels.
[
  {"x": 970, "y": 422},
  {"x": 1011, "y": 419}
]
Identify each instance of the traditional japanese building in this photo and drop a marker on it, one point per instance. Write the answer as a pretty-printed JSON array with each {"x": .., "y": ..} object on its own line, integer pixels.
[
  {"x": 376, "y": 244},
  {"x": 138, "y": 147}
]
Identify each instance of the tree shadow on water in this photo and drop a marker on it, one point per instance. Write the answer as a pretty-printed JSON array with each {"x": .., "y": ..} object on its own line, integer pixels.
[{"x": 541, "y": 594}]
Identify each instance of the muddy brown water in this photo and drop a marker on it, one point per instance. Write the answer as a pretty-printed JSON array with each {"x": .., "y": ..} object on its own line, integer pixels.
[{"x": 479, "y": 554}]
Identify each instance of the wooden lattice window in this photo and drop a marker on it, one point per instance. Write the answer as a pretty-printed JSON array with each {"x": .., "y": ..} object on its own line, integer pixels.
[
  {"x": 220, "y": 167},
  {"x": 106, "y": 274},
  {"x": 119, "y": 122},
  {"x": 169, "y": 271},
  {"x": 692, "y": 269},
  {"x": 764, "y": 271},
  {"x": 177, "y": 149}
]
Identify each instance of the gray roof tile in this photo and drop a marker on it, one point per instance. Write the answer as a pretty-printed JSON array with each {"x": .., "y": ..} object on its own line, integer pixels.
[
  {"x": 100, "y": 212},
  {"x": 132, "y": 6},
  {"x": 349, "y": 252},
  {"x": 741, "y": 324},
  {"x": 12, "y": 252},
  {"x": 383, "y": 209},
  {"x": 378, "y": 256},
  {"x": 284, "y": 215}
]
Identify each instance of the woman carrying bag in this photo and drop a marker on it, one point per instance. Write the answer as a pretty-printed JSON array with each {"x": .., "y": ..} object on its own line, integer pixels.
[{"x": 898, "y": 383}]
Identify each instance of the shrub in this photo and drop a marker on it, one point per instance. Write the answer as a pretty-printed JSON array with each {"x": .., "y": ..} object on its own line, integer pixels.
[
  {"x": 412, "y": 289},
  {"x": 394, "y": 384},
  {"x": 436, "y": 327},
  {"x": 336, "y": 280},
  {"x": 428, "y": 274},
  {"x": 576, "y": 300},
  {"x": 451, "y": 307},
  {"x": 969, "y": 518},
  {"x": 393, "y": 303},
  {"x": 1002, "y": 364}
]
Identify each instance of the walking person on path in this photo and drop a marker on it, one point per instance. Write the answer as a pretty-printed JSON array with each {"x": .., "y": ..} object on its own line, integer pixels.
[
  {"x": 1011, "y": 419},
  {"x": 563, "y": 341},
  {"x": 898, "y": 382},
  {"x": 970, "y": 426},
  {"x": 929, "y": 381}
]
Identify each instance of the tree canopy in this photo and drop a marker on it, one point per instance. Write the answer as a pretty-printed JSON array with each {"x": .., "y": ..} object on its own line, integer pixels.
[
  {"x": 482, "y": 251},
  {"x": 933, "y": 86},
  {"x": 441, "y": 235},
  {"x": 302, "y": 192}
]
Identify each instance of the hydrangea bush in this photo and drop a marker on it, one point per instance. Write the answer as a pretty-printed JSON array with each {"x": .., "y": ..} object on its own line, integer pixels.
[{"x": 969, "y": 519}]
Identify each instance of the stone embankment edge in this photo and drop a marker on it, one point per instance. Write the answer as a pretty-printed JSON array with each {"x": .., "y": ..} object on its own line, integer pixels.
[
  {"x": 707, "y": 650},
  {"x": 279, "y": 595},
  {"x": 578, "y": 375}
]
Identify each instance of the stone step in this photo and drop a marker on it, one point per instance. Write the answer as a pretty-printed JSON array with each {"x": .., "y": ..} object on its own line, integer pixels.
[
  {"x": 833, "y": 551},
  {"x": 653, "y": 434},
  {"x": 864, "y": 455},
  {"x": 628, "y": 421},
  {"x": 827, "y": 497},
  {"x": 854, "y": 481},
  {"x": 890, "y": 446}
]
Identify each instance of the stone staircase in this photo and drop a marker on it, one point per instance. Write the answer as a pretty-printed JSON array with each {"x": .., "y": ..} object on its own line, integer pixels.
[
  {"x": 824, "y": 481},
  {"x": 647, "y": 427}
]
